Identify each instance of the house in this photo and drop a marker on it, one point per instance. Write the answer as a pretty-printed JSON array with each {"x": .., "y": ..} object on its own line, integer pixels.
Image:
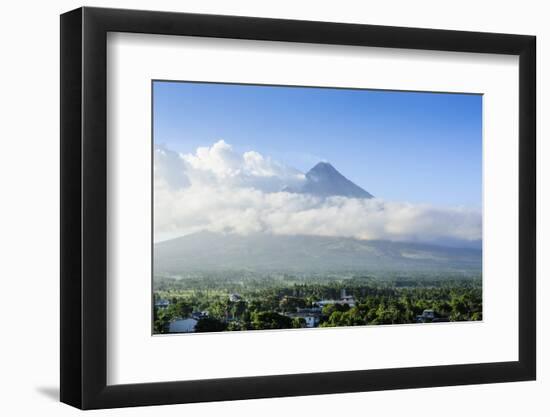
[
  {"x": 162, "y": 304},
  {"x": 347, "y": 299},
  {"x": 197, "y": 315},
  {"x": 182, "y": 326},
  {"x": 427, "y": 316},
  {"x": 311, "y": 316},
  {"x": 322, "y": 303},
  {"x": 234, "y": 297},
  {"x": 311, "y": 321},
  {"x": 312, "y": 310}
]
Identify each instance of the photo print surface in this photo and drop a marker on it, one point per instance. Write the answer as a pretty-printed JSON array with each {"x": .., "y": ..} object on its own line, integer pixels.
[{"x": 283, "y": 207}]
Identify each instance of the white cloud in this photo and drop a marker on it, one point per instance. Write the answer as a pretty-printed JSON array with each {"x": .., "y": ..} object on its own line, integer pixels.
[
  {"x": 169, "y": 169},
  {"x": 220, "y": 165},
  {"x": 218, "y": 189}
]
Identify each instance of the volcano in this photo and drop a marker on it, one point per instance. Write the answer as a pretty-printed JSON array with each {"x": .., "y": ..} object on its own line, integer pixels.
[{"x": 323, "y": 180}]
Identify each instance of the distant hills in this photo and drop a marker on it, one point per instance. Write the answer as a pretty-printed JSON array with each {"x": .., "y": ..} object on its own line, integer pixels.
[
  {"x": 323, "y": 180},
  {"x": 207, "y": 251}
]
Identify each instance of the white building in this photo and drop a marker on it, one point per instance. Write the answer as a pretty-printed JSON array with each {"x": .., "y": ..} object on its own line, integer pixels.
[
  {"x": 162, "y": 304},
  {"x": 311, "y": 321},
  {"x": 347, "y": 299},
  {"x": 426, "y": 316},
  {"x": 182, "y": 326},
  {"x": 311, "y": 316},
  {"x": 235, "y": 297}
]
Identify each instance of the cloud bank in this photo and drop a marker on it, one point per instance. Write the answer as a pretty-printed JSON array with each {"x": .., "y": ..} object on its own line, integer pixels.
[{"x": 220, "y": 190}]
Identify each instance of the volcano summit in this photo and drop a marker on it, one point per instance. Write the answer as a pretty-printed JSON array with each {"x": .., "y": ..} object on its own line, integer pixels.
[{"x": 323, "y": 180}]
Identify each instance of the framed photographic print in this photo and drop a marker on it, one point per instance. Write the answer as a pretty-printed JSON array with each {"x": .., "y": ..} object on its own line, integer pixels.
[{"x": 257, "y": 207}]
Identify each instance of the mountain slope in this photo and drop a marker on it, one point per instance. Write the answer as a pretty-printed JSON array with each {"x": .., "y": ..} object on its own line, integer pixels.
[
  {"x": 206, "y": 251},
  {"x": 323, "y": 180}
]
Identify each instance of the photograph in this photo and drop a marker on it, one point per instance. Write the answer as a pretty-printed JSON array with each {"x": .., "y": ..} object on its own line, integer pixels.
[{"x": 298, "y": 207}]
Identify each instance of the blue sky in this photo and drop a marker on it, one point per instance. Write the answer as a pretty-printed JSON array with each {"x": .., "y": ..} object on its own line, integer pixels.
[{"x": 403, "y": 146}]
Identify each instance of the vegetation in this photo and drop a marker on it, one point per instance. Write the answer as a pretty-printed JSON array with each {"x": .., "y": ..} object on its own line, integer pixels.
[{"x": 237, "y": 304}]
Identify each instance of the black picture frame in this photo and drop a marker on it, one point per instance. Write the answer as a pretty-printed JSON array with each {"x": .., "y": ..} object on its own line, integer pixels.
[{"x": 84, "y": 207}]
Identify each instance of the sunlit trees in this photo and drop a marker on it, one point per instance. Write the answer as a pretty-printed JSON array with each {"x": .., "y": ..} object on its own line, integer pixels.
[{"x": 266, "y": 305}]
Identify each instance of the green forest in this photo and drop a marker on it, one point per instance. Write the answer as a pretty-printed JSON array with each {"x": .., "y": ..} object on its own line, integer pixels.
[{"x": 214, "y": 305}]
